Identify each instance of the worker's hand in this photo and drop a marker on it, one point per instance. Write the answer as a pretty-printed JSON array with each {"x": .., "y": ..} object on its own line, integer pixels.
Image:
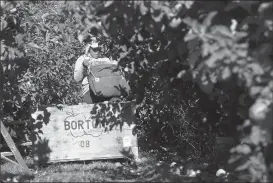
[
  {"x": 85, "y": 71},
  {"x": 86, "y": 60},
  {"x": 86, "y": 56}
]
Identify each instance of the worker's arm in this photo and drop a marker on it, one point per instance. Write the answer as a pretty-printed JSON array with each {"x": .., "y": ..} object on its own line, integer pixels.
[{"x": 79, "y": 70}]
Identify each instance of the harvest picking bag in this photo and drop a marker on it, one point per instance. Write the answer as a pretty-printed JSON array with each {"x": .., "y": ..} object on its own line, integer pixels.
[{"x": 106, "y": 80}]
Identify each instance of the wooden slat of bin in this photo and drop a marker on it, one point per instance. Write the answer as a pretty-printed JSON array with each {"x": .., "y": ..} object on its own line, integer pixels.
[
  {"x": 9, "y": 160},
  {"x": 17, "y": 144},
  {"x": 6, "y": 154}
]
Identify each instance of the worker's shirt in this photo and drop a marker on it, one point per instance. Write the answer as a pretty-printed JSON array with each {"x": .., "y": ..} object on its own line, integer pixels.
[{"x": 79, "y": 75}]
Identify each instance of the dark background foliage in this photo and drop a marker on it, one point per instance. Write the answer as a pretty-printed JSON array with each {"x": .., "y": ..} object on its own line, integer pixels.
[{"x": 194, "y": 76}]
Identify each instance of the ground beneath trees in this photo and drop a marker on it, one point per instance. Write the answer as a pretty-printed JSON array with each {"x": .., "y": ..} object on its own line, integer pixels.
[{"x": 147, "y": 169}]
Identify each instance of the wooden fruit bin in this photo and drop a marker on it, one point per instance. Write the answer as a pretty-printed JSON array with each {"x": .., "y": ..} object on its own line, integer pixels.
[{"x": 84, "y": 132}]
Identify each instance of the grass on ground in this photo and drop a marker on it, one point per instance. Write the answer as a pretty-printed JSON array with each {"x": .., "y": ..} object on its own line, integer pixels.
[{"x": 147, "y": 169}]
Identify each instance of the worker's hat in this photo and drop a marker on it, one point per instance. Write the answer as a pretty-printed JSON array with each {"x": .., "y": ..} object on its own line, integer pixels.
[{"x": 93, "y": 45}]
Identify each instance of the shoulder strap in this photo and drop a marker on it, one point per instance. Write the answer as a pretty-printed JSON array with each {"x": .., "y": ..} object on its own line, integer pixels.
[{"x": 96, "y": 79}]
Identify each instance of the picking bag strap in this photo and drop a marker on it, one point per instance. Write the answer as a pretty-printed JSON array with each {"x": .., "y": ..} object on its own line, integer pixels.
[
  {"x": 91, "y": 82},
  {"x": 89, "y": 69},
  {"x": 96, "y": 79}
]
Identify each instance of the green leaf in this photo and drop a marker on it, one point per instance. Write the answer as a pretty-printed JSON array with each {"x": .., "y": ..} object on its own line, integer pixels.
[
  {"x": 256, "y": 136},
  {"x": 81, "y": 37},
  {"x": 139, "y": 37},
  {"x": 45, "y": 27},
  {"x": 226, "y": 73},
  {"x": 175, "y": 22},
  {"x": 44, "y": 16},
  {"x": 3, "y": 25},
  {"x": 108, "y": 3},
  {"x": 256, "y": 68},
  {"x": 181, "y": 74},
  {"x": 18, "y": 53},
  {"x": 190, "y": 36},
  {"x": 56, "y": 28},
  {"x": 243, "y": 166},
  {"x": 66, "y": 37},
  {"x": 204, "y": 83},
  {"x": 223, "y": 30},
  {"x": 61, "y": 27},
  {"x": 33, "y": 45},
  {"x": 188, "y": 4},
  {"x": 243, "y": 149},
  {"x": 105, "y": 21},
  {"x": 158, "y": 16},
  {"x": 47, "y": 36},
  {"x": 255, "y": 90},
  {"x": 143, "y": 9},
  {"x": 208, "y": 19}
]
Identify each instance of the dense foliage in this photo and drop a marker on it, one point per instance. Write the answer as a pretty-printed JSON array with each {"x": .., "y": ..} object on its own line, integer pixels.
[
  {"x": 43, "y": 51},
  {"x": 215, "y": 56},
  {"x": 43, "y": 75},
  {"x": 221, "y": 56}
]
